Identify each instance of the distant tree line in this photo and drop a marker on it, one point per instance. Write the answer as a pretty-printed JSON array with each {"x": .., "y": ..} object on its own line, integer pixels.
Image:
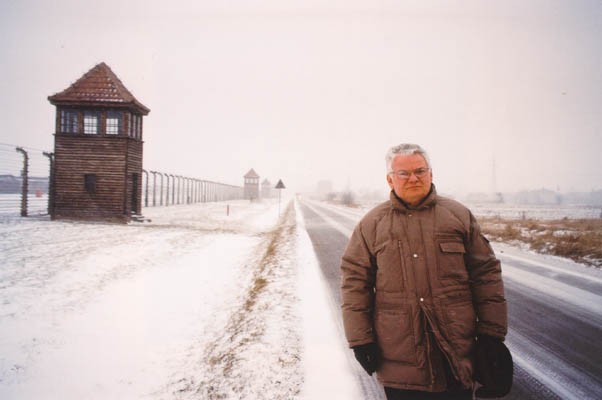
[{"x": 10, "y": 184}]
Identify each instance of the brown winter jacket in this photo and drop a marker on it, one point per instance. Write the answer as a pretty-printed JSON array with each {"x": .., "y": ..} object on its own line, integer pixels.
[{"x": 408, "y": 270}]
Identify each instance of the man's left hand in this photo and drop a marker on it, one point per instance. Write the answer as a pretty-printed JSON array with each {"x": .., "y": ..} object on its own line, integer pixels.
[{"x": 494, "y": 367}]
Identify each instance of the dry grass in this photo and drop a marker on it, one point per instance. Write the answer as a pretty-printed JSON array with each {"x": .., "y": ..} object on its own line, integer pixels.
[
  {"x": 577, "y": 239},
  {"x": 239, "y": 331}
]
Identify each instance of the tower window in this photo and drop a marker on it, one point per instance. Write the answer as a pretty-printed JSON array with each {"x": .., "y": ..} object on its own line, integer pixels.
[
  {"x": 128, "y": 124},
  {"x": 139, "y": 128},
  {"x": 133, "y": 128},
  {"x": 90, "y": 183},
  {"x": 113, "y": 123},
  {"x": 68, "y": 121},
  {"x": 91, "y": 123}
]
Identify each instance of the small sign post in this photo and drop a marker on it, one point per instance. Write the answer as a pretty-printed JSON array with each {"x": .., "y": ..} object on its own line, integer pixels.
[{"x": 279, "y": 186}]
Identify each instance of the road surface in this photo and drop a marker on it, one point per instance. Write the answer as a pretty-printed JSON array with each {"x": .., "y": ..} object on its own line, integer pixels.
[{"x": 555, "y": 313}]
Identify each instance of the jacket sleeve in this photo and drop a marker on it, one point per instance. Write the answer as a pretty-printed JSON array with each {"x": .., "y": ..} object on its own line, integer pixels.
[
  {"x": 357, "y": 290},
  {"x": 486, "y": 284}
]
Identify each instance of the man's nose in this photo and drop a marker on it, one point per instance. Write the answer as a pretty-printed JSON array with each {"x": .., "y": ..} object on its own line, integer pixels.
[{"x": 413, "y": 177}]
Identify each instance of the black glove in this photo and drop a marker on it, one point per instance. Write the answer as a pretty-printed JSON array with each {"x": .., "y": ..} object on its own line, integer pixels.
[
  {"x": 493, "y": 367},
  {"x": 367, "y": 356}
]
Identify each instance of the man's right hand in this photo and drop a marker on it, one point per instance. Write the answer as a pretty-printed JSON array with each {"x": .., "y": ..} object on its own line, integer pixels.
[{"x": 367, "y": 356}]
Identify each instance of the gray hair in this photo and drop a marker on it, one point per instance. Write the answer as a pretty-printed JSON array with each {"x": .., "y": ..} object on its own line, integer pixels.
[{"x": 405, "y": 149}]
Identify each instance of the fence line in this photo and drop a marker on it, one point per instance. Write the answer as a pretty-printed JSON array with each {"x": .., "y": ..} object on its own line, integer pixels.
[
  {"x": 163, "y": 189},
  {"x": 26, "y": 176},
  {"x": 24, "y": 180}
]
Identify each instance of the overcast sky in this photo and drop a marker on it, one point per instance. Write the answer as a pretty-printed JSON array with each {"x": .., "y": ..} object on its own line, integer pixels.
[{"x": 320, "y": 89}]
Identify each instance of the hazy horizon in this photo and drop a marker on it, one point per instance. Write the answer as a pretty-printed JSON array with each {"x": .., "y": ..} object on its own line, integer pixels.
[{"x": 305, "y": 91}]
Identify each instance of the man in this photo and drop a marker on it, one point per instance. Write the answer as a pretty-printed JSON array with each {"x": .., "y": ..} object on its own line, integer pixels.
[{"x": 422, "y": 289}]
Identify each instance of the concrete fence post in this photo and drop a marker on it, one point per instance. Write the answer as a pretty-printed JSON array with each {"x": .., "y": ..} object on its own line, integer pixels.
[
  {"x": 145, "y": 189},
  {"x": 167, "y": 189},
  {"x": 50, "y": 184},
  {"x": 154, "y": 187},
  {"x": 161, "y": 189},
  {"x": 173, "y": 189},
  {"x": 24, "y": 181}
]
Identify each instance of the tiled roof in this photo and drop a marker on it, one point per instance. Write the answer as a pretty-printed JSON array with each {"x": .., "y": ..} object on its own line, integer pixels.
[
  {"x": 98, "y": 85},
  {"x": 251, "y": 174}
]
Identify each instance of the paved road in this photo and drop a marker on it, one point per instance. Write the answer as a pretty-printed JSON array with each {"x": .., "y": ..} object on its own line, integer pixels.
[{"x": 555, "y": 315}]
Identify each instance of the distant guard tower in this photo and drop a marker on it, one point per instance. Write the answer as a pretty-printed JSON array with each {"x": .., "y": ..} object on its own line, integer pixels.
[
  {"x": 97, "y": 149},
  {"x": 251, "y": 185},
  {"x": 266, "y": 189}
]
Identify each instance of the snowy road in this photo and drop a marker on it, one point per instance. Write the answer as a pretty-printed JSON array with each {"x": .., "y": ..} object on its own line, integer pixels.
[{"x": 555, "y": 311}]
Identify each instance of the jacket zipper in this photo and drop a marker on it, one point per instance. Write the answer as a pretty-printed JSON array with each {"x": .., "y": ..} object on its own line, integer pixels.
[
  {"x": 451, "y": 365},
  {"x": 404, "y": 277}
]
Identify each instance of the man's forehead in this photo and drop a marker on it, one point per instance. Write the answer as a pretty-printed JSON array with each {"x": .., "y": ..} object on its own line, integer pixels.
[{"x": 410, "y": 159}]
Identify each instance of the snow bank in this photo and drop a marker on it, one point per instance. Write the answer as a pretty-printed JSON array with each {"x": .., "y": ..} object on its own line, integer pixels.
[
  {"x": 327, "y": 371},
  {"x": 113, "y": 311},
  {"x": 195, "y": 304}
]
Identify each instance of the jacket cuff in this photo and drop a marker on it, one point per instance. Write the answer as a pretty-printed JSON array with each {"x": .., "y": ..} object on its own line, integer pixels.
[
  {"x": 489, "y": 331},
  {"x": 354, "y": 343}
]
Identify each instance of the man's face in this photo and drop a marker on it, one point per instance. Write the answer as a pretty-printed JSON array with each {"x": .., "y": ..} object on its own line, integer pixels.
[{"x": 410, "y": 189}]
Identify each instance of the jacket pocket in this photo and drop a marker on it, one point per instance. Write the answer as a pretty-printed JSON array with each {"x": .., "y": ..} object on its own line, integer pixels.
[
  {"x": 395, "y": 335},
  {"x": 389, "y": 273},
  {"x": 450, "y": 261},
  {"x": 461, "y": 325}
]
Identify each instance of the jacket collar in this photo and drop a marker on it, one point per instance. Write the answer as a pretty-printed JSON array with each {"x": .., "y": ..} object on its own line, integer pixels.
[{"x": 428, "y": 201}]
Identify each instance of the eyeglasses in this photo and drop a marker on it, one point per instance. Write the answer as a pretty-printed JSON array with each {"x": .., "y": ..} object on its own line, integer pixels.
[{"x": 403, "y": 175}]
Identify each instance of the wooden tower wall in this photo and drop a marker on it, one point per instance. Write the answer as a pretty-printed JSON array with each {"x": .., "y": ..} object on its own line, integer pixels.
[{"x": 113, "y": 160}]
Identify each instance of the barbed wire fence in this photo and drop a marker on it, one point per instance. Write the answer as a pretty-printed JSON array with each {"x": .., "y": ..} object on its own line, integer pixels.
[
  {"x": 25, "y": 184},
  {"x": 24, "y": 180},
  {"x": 163, "y": 189}
]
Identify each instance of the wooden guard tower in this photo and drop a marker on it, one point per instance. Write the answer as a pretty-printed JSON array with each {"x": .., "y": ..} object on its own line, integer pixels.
[
  {"x": 266, "y": 189},
  {"x": 97, "y": 149},
  {"x": 251, "y": 188}
]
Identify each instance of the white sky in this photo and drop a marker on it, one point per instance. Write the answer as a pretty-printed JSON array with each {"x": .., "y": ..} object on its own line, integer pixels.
[{"x": 317, "y": 89}]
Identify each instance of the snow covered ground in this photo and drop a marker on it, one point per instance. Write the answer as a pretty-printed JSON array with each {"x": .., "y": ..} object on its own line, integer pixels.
[
  {"x": 519, "y": 211},
  {"x": 194, "y": 304}
]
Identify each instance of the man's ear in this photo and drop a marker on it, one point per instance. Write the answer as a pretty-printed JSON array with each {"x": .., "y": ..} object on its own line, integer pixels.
[{"x": 390, "y": 181}]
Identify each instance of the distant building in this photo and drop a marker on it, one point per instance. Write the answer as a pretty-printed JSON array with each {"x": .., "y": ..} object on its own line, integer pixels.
[
  {"x": 593, "y": 198},
  {"x": 490, "y": 197},
  {"x": 97, "y": 149},
  {"x": 324, "y": 188},
  {"x": 13, "y": 184},
  {"x": 542, "y": 196},
  {"x": 251, "y": 188},
  {"x": 266, "y": 189}
]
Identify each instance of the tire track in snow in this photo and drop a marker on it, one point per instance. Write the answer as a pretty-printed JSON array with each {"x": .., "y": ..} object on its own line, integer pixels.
[
  {"x": 566, "y": 381},
  {"x": 581, "y": 302},
  {"x": 252, "y": 332}
]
